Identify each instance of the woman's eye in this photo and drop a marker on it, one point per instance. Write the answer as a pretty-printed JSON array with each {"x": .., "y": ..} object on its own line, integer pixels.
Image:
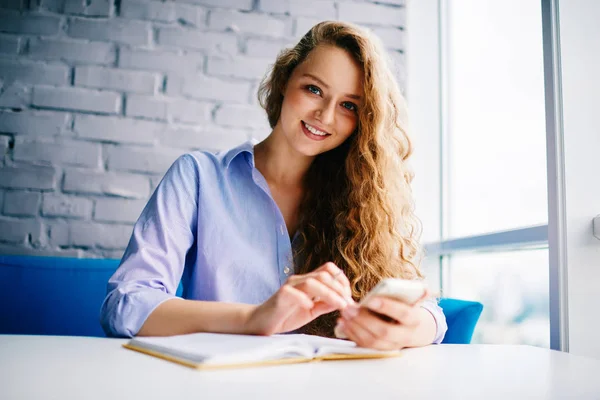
[
  {"x": 314, "y": 90},
  {"x": 349, "y": 106}
]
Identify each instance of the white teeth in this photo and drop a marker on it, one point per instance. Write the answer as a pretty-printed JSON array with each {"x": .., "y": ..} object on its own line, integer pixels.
[{"x": 314, "y": 131}]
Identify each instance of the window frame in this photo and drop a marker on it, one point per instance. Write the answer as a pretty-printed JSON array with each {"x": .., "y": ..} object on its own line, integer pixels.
[{"x": 551, "y": 235}]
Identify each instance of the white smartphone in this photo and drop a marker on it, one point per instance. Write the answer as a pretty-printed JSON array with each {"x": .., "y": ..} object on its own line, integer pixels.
[{"x": 407, "y": 291}]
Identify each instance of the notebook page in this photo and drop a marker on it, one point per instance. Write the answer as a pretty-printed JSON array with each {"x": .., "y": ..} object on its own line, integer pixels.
[
  {"x": 327, "y": 346},
  {"x": 320, "y": 341},
  {"x": 217, "y": 348},
  {"x": 333, "y": 350}
]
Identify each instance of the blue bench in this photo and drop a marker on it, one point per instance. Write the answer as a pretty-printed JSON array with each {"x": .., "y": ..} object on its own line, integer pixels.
[{"x": 62, "y": 296}]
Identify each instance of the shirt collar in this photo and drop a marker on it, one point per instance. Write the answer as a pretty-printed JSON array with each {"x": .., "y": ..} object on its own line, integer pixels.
[{"x": 246, "y": 147}]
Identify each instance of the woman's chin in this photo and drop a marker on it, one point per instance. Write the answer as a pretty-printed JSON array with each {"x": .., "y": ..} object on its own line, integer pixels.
[{"x": 311, "y": 148}]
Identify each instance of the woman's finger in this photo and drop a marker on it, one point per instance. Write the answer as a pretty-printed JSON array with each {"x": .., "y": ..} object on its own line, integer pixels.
[
  {"x": 362, "y": 337},
  {"x": 291, "y": 296},
  {"x": 338, "y": 275},
  {"x": 403, "y": 313},
  {"x": 330, "y": 275},
  {"x": 314, "y": 288},
  {"x": 328, "y": 280},
  {"x": 370, "y": 322},
  {"x": 321, "y": 308},
  {"x": 393, "y": 335}
]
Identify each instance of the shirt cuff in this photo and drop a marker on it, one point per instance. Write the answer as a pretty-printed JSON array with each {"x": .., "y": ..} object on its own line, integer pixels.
[
  {"x": 132, "y": 310},
  {"x": 436, "y": 311}
]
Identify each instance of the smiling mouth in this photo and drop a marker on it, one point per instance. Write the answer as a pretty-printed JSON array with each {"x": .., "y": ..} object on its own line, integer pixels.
[{"x": 314, "y": 130}]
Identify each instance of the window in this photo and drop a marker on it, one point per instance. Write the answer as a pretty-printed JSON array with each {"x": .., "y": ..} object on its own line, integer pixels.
[
  {"x": 496, "y": 120},
  {"x": 492, "y": 243},
  {"x": 513, "y": 286}
]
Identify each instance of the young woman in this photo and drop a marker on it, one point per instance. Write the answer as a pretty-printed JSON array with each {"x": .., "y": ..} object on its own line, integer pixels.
[{"x": 287, "y": 234}]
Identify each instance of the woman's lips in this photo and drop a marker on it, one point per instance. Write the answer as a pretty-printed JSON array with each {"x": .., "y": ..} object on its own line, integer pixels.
[{"x": 311, "y": 135}]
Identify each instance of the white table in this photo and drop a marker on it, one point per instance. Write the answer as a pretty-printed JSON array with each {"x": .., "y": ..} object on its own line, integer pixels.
[{"x": 57, "y": 367}]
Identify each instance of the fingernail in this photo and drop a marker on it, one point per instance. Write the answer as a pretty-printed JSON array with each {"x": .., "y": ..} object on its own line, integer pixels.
[
  {"x": 374, "y": 304},
  {"x": 340, "y": 330},
  {"x": 350, "y": 312}
]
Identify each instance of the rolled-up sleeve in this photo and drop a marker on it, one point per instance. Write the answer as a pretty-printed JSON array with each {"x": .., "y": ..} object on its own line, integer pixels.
[
  {"x": 154, "y": 260},
  {"x": 436, "y": 311}
]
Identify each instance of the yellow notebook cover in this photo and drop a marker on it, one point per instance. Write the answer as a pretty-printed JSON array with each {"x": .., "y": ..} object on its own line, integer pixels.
[{"x": 220, "y": 351}]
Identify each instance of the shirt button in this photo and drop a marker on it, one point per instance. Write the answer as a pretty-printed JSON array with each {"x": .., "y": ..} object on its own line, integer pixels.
[{"x": 287, "y": 270}]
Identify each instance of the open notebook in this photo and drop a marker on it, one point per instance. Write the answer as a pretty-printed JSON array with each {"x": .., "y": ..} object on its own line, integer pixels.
[{"x": 216, "y": 350}]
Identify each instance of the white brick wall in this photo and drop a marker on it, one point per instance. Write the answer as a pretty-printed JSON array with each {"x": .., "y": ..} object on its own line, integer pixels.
[
  {"x": 22, "y": 204},
  {"x": 72, "y": 51},
  {"x": 76, "y": 99},
  {"x": 98, "y": 97}
]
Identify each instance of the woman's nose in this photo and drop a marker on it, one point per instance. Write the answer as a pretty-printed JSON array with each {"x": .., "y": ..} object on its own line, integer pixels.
[{"x": 326, "y": 113}]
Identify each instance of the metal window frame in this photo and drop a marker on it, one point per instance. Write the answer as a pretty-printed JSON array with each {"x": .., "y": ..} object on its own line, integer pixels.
[
  {"x": 529, "y": 237},
  {"x": 444, "y": 140},
  {"x": 559, "y": 328}
]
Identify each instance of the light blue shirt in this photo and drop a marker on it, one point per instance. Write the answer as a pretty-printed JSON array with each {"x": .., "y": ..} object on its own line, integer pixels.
[{"x": 213, "y": 225}]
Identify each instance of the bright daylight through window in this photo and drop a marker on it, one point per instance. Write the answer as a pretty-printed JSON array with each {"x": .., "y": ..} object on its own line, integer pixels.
[{"x": 495, "y": 163}]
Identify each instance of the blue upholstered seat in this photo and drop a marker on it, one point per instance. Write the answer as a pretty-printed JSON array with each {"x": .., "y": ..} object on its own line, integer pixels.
[
  {"x": 62, "y": 296},
  {"x": 52, "y": 295},
  {"x": 461, "y": 316}
]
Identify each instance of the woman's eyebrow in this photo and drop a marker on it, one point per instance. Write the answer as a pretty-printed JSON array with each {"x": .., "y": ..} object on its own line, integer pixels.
[{"x": 320, "y": 81}]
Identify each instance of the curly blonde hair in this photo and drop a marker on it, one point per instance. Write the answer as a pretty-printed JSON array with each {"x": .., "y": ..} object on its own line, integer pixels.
[{"x": 358, "y": 207}]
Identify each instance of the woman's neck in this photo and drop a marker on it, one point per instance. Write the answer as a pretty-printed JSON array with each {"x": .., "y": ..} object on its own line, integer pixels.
[{"x": 280, "y": 163}]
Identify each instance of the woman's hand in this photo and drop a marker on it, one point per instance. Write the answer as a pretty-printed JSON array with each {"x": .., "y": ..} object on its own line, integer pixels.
[
  {"x": 408, "y": 325},
  {"x": 300, "y": 300}
]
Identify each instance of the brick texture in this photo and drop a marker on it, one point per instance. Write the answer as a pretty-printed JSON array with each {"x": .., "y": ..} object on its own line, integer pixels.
[
  {"x": 322, "y": 9},
  {"x": 259, "y": 24},
  {"x": 10, "y": 44},
  {"x": 114, "y": 129},
  {"x": 56, "y": 205},
  {"x": 139, "y": 159},
  {"x": 32, "y": 24},
  {"x": 28, "y": 177},
  {"x": 76, "y": 99},
  {"x": 198, "y": 40},
  {"x": 376, "y": 14},
  {"x": 165, "y": 12},
  {"x": 65, "y": 152},
  {"x": 33, "y": 122},
  {"x": 147, "y": 107},
  {"x": 92, "y": 182},
  {"x": 73, "y": 51},
  {"x": 239, "y": 67},
  {"x": 118, "y": 210},
  {"x": 33, "y": 72},
  {"x": 91, "y": 8},
  {"x": 99, "y": 97},
  {"x": 116, "y": 30},
  {"x": 20, "y": 231},
  {"x": 15, "y": 96},
  {"x": 116, "y": 79},
  {"x": 5, "y": 141},
  {"x": 161, "y": 60},
  {"x": 20, "y": 203}
]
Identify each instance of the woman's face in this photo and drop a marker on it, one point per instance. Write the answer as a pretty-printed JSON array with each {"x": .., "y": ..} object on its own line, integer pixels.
[{"x": 321, "y": 101}]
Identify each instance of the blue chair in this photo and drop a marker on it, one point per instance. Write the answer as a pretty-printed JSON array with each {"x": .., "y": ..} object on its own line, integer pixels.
[
  {"x": 461, "y": 317},
  {"x": 53, "y": 295},
  {"x": 63, "y": 296}
]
